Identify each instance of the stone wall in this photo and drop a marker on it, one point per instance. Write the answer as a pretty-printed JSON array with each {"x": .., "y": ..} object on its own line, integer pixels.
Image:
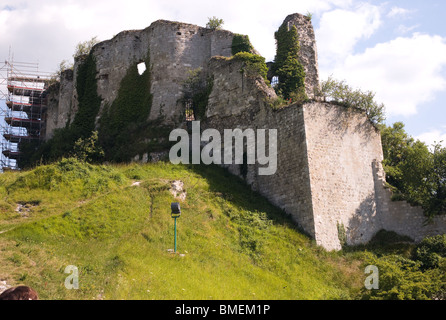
[
  {"x": 400, "y": 216},
  {"x": 241, "y": 101},
  {"x": 324, "y": 178},
  {"x": 342, "y": 145},
  {"x": 169, "y": 49},
  {"x": 60, "y": 102}
]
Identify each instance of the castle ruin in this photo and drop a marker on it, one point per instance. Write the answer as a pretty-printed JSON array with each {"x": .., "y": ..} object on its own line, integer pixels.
[{"x": 329, "y": 176}]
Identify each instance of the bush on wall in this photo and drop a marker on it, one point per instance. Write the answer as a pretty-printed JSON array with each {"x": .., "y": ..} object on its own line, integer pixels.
[{"x": 241, "y": 43}]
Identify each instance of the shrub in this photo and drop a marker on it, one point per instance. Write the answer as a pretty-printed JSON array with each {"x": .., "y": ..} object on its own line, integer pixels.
[
  {"x": 241, "y": 43},
  {"x": 414, "y": 173},
  {"x": 254, "y": 64},
  {"x": 214, "y": 23},
  {"x": 402, "y": 279},
  {"x": 83, "y": 48},
  {"x": 340, "y": 93},
  {"x": 88, "y": 149},
  {"x": 431, "y": 251}
]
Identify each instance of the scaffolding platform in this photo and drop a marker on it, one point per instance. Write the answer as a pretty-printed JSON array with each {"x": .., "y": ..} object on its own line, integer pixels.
[
  {"x": 24, "y": 123},
  {"x": 17, "y": 139},
  {"x": 24, "y": 91},
  {"x": 32, "y": 110},
  {"x": 30, "y": 79},
  {"x": 12, "y": 154}
]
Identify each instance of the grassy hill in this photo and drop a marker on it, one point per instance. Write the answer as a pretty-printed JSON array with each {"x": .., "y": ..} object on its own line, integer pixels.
[{"x": 232, "y": 243}]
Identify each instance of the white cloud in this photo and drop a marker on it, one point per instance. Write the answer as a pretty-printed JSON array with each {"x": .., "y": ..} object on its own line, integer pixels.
[
  {"x": 402, "y": 29},
  {"x": 341, "y": 29},
  {"x": 404, "y": 72},
  {"x": 397, "y": 11},
  {"x": 48, "y": 30},
  {"x": 433, "y": 136}
]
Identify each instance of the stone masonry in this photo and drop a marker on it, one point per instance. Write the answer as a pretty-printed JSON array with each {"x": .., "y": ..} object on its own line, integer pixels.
[{"x": 329, "y": 177}]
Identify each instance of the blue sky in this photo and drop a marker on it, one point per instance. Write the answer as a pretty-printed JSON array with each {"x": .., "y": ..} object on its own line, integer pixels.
[{"x": 396, "y": 48}]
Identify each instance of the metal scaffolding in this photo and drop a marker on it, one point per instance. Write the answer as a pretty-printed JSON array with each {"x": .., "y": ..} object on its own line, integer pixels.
[{"x": 22, "y": 109}]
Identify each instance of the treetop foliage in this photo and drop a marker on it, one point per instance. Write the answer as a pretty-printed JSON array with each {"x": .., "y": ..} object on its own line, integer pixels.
[
  {"x": 415, "y": 173},
  {"x": 214, "y": 23}
]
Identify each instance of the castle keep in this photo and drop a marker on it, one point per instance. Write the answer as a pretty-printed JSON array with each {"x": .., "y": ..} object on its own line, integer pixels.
[{"x": 329, "y": 175}]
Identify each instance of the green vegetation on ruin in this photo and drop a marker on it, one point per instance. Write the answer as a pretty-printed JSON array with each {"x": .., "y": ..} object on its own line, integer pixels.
[
  {"x": 124, "y": 128},
  {"x": 254, "y": 64},
  {"x": 286, "y": 65},
  {"x": 414, "y": 172},
  {"x": 82, "y": 126},
  {"x": 241, "y": 43},
  {"x": 197, "y": 88}
]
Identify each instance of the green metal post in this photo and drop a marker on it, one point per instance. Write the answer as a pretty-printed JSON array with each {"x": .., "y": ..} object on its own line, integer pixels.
[{"x": 175, "y": 235}]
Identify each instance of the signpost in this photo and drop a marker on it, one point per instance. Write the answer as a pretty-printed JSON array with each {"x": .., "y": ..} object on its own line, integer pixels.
[{"x": 176, "y": 213}]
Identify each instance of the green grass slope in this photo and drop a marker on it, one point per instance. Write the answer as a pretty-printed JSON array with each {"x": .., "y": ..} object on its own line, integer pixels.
[{"x": 233, "y": 243}]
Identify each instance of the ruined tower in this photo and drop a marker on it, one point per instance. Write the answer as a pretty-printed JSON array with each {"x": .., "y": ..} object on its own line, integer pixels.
[{"x": 308, "y": 49}]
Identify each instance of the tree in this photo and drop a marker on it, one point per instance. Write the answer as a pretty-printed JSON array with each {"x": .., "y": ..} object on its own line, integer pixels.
[
  {"x": 437, "y": 202},
  {"x": 395, "y": 143},
  {"x": 214, "y": 23},
  {"x": 415, "y": 173}
]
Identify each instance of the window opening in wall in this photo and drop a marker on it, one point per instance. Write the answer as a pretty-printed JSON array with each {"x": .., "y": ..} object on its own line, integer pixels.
[
  {"x": 141, "y": 67},
  {"x": 274, "y": 81},
  {"x": 189, "y": 113}
]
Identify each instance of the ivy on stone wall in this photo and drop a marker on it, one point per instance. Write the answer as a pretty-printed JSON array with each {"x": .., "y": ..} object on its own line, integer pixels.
[
  {"x": 88, "y": 100},
  {"x": 287, "y": 66},
  {"x": 241, "y": 43},
  {"x": 200, "y": 99},
  {"x": 197, "y": 88},
  {"x": 124, "y": 129},
  {"x": 63, "y": 140}
]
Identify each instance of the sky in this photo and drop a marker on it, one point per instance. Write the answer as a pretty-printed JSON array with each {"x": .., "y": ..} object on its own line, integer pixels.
[{"x": 395, "y": 48}]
